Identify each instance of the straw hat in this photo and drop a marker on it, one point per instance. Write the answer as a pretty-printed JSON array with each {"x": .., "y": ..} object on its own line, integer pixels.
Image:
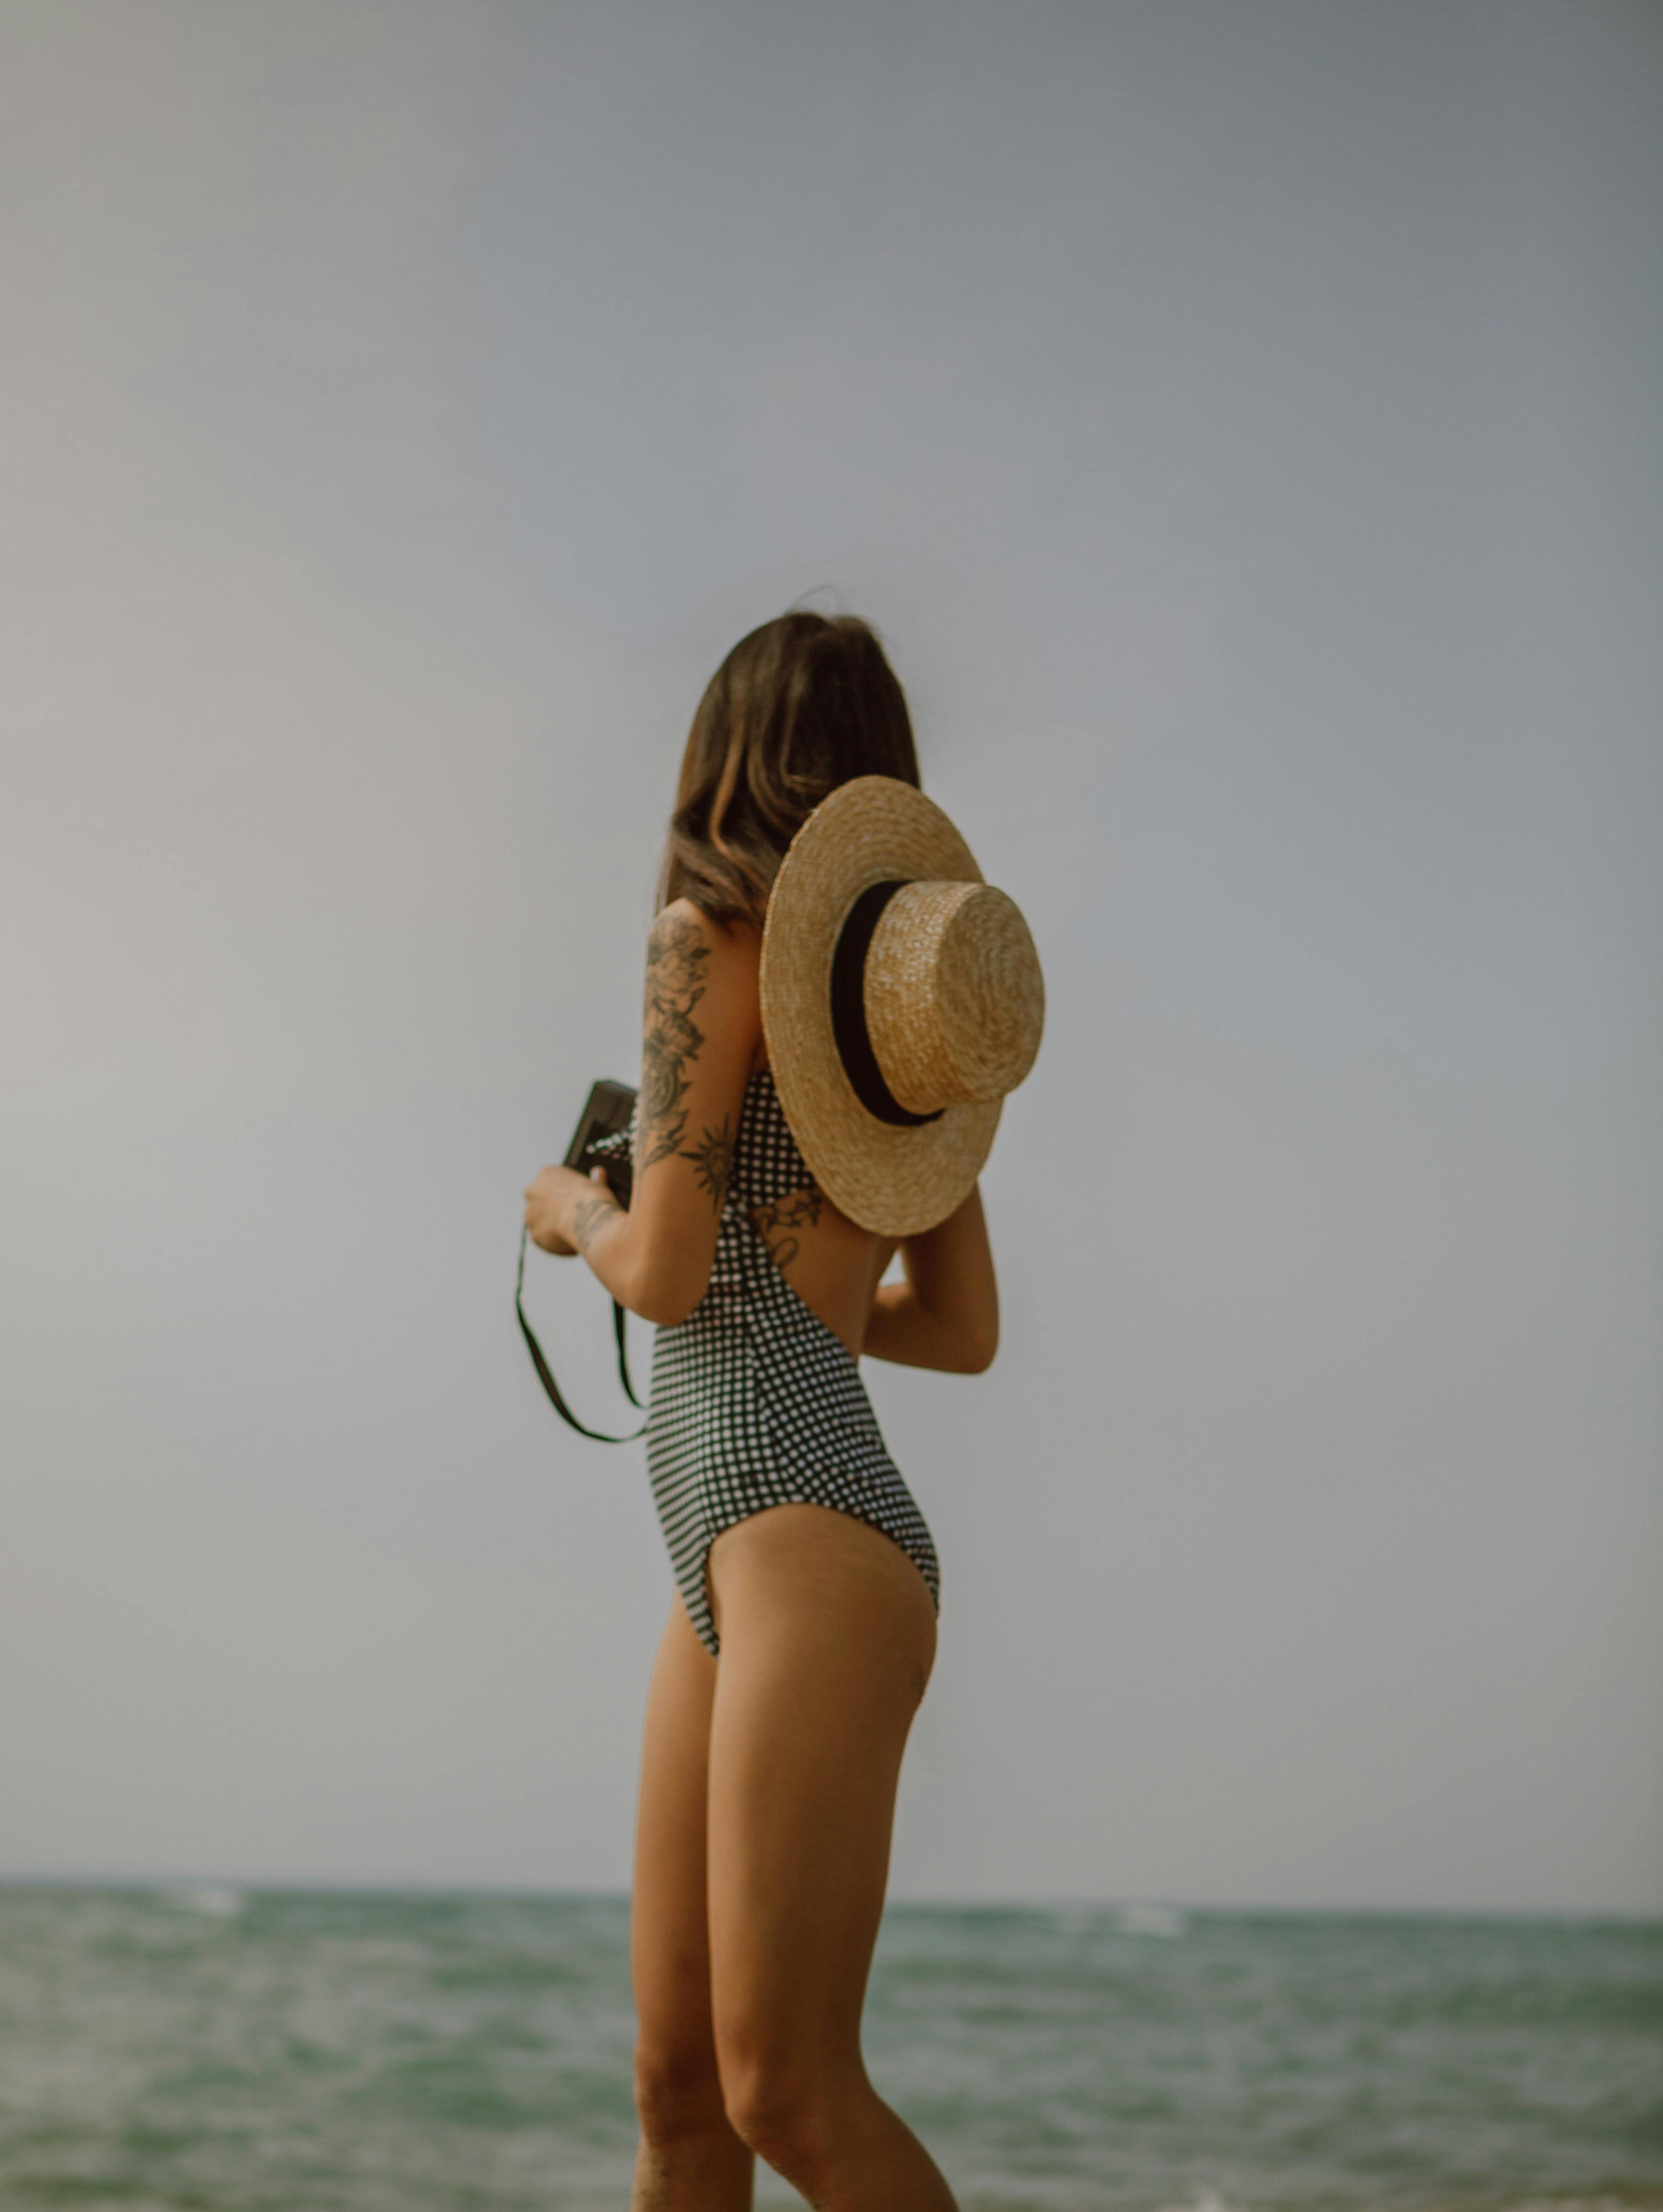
[{"x": 901, "y": 999}]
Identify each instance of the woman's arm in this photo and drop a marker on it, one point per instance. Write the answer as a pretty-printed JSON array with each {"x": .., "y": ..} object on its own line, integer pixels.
[
  {"x": 700, "y": 1032},
  {"x": 946, "y": 1313}
]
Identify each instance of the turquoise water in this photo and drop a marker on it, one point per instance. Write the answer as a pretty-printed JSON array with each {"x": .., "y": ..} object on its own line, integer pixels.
[{"x": 310, "y": 2052}]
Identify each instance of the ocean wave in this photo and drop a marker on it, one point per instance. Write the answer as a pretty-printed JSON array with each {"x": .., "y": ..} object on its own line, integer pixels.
[
  {"x": 411, "y": 2054},
  {"x": 216, "y": 1900},
  {"x": 1154, "y": 1920}
]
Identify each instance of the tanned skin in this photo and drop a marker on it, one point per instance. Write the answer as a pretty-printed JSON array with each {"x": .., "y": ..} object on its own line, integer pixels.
[
  {"x": 677, "y": 960},
  {"x": 767, "y": 1777}
]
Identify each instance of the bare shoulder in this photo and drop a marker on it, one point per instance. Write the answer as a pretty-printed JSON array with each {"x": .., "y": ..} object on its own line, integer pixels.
[
  {"x": 701, "y": 983},
  {"x": 701, "y": 1021},
  {"x": 687, "y": 953}
]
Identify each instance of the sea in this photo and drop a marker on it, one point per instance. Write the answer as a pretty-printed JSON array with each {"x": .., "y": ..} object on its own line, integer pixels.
[{"x": 230, "y": 2050}]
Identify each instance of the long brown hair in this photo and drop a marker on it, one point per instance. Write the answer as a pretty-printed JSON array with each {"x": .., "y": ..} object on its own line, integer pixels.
[{"x": 805, "y": 703}]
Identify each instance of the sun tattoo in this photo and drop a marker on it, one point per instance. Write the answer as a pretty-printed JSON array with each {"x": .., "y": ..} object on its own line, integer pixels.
[
  {"x": 778, "y": 1224},
  {"x": 677, "y": 958},
  {"x": 713, "y": 1159}
]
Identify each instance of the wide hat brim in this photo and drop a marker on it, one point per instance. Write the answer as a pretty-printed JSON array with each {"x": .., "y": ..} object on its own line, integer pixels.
[{"x": 895, "y": 1182}]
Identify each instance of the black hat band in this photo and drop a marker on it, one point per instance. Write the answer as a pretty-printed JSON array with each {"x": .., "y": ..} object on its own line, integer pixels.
[{"x": 848, "y": 1011}]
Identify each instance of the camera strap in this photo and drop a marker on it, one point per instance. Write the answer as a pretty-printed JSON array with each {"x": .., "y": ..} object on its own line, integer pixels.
[{"x": 545, "y": 1375}]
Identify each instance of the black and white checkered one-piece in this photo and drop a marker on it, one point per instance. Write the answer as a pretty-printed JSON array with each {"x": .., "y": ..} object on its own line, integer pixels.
[{"x": 755, "y": 1401}]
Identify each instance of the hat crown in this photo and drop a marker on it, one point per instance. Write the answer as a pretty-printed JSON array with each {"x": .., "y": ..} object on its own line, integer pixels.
[
  {"x": 955, "y": 1000},
  {"x": 943, "y": 1007}
]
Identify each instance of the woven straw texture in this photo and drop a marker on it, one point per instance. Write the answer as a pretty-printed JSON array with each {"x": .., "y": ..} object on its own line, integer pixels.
[
  {"x": 954, "y": 1000},
  {"x": 944, "y": 1044}
]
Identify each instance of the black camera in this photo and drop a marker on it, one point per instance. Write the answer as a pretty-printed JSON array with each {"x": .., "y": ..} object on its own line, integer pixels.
[{"x": 601, "y": 1140}]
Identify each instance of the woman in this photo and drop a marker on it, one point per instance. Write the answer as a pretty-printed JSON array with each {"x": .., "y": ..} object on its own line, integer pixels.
[{"x": 804, "y": 1632}]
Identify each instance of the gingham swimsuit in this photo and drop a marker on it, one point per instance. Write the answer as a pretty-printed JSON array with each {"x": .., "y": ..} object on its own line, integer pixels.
[{"x": 755, "y": 1401}]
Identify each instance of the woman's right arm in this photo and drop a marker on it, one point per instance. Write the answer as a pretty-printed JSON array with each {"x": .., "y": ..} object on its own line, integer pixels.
[
  {"x": 700, "y": 1031},
  {"x": 945, "y": 1314}
]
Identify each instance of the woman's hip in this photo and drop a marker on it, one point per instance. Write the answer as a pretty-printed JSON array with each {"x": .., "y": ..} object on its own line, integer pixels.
[{"x": 817, "y": 1581}]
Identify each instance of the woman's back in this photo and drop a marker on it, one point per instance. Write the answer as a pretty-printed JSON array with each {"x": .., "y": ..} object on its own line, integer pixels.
[{"x": 831, "y": 1264}]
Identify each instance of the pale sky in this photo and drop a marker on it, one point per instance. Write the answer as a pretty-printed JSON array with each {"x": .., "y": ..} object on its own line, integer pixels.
[{"x": 1242, "y": 419}]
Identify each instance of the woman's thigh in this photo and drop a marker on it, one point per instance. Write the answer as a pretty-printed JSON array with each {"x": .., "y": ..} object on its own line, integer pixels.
[
  {"x": 828, "y": 1638},
  {"x": 668, "y": 1941}
]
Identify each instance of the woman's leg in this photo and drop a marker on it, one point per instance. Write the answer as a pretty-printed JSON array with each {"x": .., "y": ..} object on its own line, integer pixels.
[
  {"x": 828, "y": 1637},
  {"x": 690, "y": 2160}
]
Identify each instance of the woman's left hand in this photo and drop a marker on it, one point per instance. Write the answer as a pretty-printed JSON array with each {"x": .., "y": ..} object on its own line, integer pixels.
[{"x": 551, "y": 1203}]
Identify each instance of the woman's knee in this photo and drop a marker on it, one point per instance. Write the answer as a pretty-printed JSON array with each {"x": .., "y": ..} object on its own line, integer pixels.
[
  {"x": 678, "y": 2094},
  {"x": 790, "y": 2112}
]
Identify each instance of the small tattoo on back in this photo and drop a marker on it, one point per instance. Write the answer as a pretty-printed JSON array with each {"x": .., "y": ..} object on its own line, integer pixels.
[{"x": 780, "y": 1223}]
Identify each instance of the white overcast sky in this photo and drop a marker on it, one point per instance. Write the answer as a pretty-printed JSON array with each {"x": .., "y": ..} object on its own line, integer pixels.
[{"x": 1244, "y": 420}]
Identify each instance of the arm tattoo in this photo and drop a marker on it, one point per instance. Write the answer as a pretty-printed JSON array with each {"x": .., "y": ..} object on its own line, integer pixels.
[
  {"x": 590, "y": 1218},
  {"x": 677, "y": 958},
  {"x": 778, "y": 1224},
  {"x": 713, "y": 1160}
]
